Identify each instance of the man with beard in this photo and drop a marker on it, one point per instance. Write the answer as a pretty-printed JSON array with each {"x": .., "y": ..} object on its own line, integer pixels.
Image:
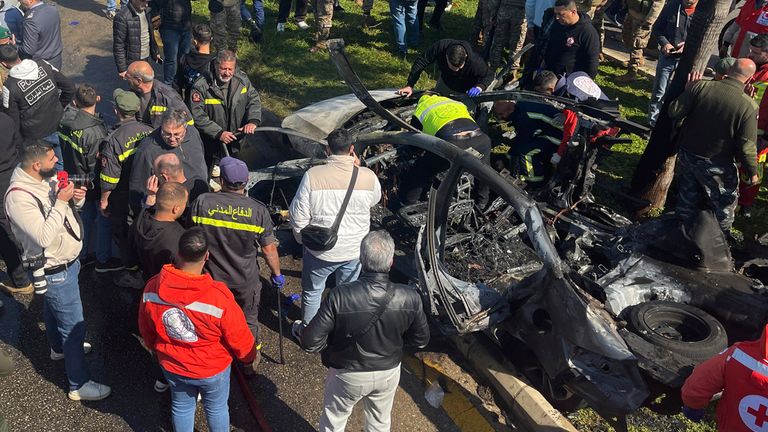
[
  {"x": 223, "y": 104},
  {"x": 758, "y": 52}
]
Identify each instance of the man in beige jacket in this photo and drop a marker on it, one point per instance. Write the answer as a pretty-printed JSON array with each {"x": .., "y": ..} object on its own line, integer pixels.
[{"x": 44, "y": 222}]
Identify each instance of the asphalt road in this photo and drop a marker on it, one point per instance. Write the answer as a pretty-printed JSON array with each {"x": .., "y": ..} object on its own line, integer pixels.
[{"x": 34, "y": 397}]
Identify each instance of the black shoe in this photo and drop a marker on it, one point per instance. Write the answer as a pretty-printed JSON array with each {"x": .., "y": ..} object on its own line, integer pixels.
[
  {"x": 112, "y": 265},
  {"x": 401, "y": 55}
]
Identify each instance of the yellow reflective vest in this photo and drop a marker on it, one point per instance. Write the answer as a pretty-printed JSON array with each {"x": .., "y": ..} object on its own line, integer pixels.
[{"x": 435, "y": 111}]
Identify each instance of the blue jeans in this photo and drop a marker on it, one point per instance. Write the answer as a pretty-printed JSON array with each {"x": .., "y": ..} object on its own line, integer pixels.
[
  {"x": 112, "y": 5},
  {"x": 258, "y": 13},
  {"x": 314, "y": 273},
  {"x": 404, "y": 21},
  {"x": 213, "y": 390},
  {"x": 96, "y": 228},
  {"x": 175, "y": 44},
  {"x": 53, "y": 139},
  {"x": 64, "y": 323},
  {"x": 665, "y": 67}
]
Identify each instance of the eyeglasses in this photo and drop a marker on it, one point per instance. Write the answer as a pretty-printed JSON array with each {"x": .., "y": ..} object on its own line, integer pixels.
[{"x": 178, "y": 135}]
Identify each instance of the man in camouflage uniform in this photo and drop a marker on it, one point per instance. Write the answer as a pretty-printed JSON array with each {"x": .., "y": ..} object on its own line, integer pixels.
[
  {"x": 225, "y": 23},
  {"x": 323, "y": 10},
  {"x": 509, "y": 33},
  {"x": 636, "y": 30},
  {"x": 482, "y": 26},
  {"x": 595, "y": 10}
]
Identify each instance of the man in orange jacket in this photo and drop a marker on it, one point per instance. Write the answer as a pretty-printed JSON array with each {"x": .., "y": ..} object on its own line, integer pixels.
[
  {"x": 741, "y": 373},
  {"x": 194, "y": 326}
]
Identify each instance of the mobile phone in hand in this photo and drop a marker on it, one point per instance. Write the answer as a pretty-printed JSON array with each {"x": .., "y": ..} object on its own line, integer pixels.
[{"x": 63, "y": 178}]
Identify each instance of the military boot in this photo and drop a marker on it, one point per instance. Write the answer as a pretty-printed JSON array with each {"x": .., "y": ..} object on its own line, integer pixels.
[{"x": 628, "y": 77}]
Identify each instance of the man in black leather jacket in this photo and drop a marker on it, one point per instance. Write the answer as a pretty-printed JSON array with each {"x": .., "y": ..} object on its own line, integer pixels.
[{"x": 362, "y": 352}]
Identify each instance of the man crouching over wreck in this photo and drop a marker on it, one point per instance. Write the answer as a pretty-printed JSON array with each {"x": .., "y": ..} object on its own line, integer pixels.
[{"x": 361, "y": 328}]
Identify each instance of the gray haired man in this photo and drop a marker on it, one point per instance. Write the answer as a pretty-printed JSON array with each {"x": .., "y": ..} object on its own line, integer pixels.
[{"x": 361, "y": 328}]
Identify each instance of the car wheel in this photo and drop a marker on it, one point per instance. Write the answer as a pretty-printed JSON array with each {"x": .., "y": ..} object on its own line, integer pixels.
[{"x": 679, "y": 328}]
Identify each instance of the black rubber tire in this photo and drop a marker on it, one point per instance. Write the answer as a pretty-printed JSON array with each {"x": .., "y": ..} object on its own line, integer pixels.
[{"x": 679, "y": 328}]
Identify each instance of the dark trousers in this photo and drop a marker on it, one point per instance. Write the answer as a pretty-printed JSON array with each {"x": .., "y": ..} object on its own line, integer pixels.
[
  {"x": 436, "y": 13},
  {"x": 118, "y": 209},
  {"x": 299, "y": 11},
  {"x": 425, "y": 169},
  {"x": 9, "y": 249},
  {"x": 248, "y": 297},
  {"x": 703, "y": 183}
]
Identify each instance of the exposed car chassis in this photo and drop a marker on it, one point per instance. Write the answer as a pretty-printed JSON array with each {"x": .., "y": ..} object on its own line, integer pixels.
[{"x": 572, "y": 271}]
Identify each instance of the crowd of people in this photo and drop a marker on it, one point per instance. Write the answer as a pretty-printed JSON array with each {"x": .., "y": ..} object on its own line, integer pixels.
[{"x": 159, "y": 198}]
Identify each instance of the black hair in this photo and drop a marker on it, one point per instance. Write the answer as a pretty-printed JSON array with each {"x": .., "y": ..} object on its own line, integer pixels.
[
  {"x": 339, "y": 141},
  {"x": 457, "y": 55},
  {"x": 8, "y": 53},
  {"x": 193, "y": 245},
  {"x": 85, "y": 95},
  {"x": 760, "y": 41},
  {"x": 543, "y": 78},
  {"x": 34, "y": 151},
  {"x": 202, "y": 33}
]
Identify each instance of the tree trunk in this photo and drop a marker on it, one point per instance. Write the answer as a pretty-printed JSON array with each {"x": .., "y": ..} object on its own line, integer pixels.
[{"x": 655, "y": 170}]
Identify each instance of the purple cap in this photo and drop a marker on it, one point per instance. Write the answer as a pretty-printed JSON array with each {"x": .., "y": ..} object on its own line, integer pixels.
[{"x": 233, "y": 170}]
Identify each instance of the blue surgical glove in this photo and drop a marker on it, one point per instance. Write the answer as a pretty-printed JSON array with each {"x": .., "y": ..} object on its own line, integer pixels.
[
  {"x": 278, "y": 281},
  {"x": 694, "y": 415},
  {"x": 474, "y": 91}
]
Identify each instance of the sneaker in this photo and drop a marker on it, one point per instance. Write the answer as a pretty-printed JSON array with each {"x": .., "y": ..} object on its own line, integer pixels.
[
  {"x": 369, "y": 21},
  {"x": 296, "y": 328},
  {"x": 280, "y": 29},
  {"x": 112, "y": 265},
  {"x": 449, "y": 7},
  {"x": 160, "y": 386},
  {"x": 302, "y": 25},
  {"x": 746, "y": 211},
  {"x": 88, "y": 260},
  {"x": 60, "y": 356},
  {"x": 129, "y": 280},
  {"x": 91, "y": 391},
  {"x": 110, "y": 14},
  {"x": 7, "y": 285}
]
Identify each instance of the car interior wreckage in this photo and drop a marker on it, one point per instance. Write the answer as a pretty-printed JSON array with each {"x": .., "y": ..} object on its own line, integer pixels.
[{"x": 591, "y": 308}]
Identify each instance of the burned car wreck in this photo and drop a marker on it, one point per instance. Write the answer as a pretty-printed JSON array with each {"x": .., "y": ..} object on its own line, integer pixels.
[{"x": 592, "y": 307}]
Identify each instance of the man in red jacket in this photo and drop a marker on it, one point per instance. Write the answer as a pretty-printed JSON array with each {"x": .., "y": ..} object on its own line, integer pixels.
[
  {"x": 752, "y": 21},
  {"x": 758, "y": 52},
  {"x": 194, "y": 326},
  {"x": 741, "y": 373}
]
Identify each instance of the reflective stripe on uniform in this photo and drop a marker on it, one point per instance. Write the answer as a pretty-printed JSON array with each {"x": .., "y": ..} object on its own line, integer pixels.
[
  {"x": 212, "y": 101},
  {"x": 530, "y": 173},
  {"x": 206, "y": 309},
  {"x": 109, "y": 179},
  {"x": 429, "y": 109},
  {"x": 244, "y": 91},
  {"x": 435, "y": 111},
  {"x": 197, "y": 306},
  {"x": 69, "y": 141},
  {"x": 156, "y": 109},
  {"x": 126, "y": 154},
  {"x": 749, "y": 362},
  {"x": 545, "y": 118},
  {"x": 226, "y": 224}
]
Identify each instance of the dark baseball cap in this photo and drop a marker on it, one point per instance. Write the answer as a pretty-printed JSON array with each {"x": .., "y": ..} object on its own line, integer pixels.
[
  {"x": 233, "y": 170},
  {"x": 126, "y": 101}
]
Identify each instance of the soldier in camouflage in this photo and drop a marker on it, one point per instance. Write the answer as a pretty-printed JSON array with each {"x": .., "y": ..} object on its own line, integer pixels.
[
  {"x": 595, "y": 10},
  {"x": 636, "y": 31},
  {"x": 323, "y": 10},
  {"x": 225, "y": 23},
  {"x": 482, "y": 26},
  {"x": 509, "y": 33}
]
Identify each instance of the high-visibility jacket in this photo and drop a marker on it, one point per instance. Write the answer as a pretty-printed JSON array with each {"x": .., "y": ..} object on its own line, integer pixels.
[
  {"x": 741, "y": 373},
  {"x": 434, "y": 112}
]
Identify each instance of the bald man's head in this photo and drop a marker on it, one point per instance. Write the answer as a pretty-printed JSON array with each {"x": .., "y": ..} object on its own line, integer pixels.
[
  {"x": 169, "y": 166},
  {"x": 171, "y": 198},
  {"x": 742, "y": 70},
  {"x": 138, "y": 73}
]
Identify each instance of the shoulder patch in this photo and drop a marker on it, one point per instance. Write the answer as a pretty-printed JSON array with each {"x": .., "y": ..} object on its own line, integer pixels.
[{"x": 196, "y": 97}]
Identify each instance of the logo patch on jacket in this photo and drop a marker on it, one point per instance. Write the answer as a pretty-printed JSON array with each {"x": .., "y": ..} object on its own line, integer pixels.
[
  {"x": 196, "y": 97},
  {"x": 753, "y": 410},
  {"x": 570, "y": 41},
  {"x": 178, "y": 326}
]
